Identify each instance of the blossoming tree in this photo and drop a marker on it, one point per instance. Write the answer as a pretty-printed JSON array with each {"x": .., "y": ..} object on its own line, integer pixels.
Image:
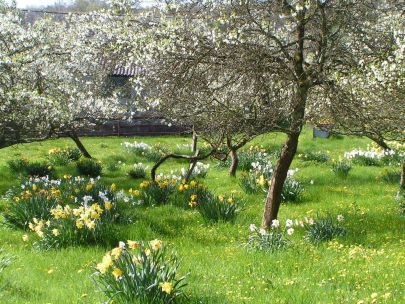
[
  {"x": 282, "y": 56},
  {"x": 54, "y": 77}
]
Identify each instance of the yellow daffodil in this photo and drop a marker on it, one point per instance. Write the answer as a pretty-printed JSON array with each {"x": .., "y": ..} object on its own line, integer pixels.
[
  {"x": 117, "y": 273},
  {"x": 156, "y": 244},
  {"x": 55, "y": 232},
  {"x": 89, "y": 187},
  {"x": 113, "y": 187},
  {"x": 79, "y": 224},
  {"x": 192, "y": 204},
  {"x": 107, "y": 205},
  {"x": 133, "y": 244},
  {"x": 167, "y": 287},
  {"x": 116, "y": 252}
]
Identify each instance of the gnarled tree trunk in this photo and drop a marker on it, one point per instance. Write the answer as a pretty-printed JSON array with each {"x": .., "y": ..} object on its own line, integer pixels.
[{"x": 73, "y": 135}]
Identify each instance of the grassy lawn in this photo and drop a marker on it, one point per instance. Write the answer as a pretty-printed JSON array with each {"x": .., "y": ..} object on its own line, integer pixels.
[{"x": 368, "y": 264}]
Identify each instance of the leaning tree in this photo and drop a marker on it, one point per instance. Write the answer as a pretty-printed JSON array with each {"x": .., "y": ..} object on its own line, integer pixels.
[{"x": 289, "y": 55}]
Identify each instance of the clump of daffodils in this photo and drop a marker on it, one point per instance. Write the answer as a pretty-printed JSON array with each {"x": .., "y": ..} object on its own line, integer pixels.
[
  {"x": 139, "y": 272},
  {"x": 71, "y": 210},
  {"x": 153, "y": 193},
  {"x": 69, "y": 226}
]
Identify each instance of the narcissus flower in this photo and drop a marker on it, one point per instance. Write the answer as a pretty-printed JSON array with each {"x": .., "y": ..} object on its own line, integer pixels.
[
  {"x": 167, "y": 287},
  {"x": 156, "y": 244},
  {"x": 117, "y": 273}
]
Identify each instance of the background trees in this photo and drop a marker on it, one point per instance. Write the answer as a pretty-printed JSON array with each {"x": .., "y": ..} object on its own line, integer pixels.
[{"x": 54, "y": 76}]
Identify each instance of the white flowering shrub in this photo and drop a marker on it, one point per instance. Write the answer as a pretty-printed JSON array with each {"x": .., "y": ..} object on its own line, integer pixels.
[{"x": 139, "y": 272}]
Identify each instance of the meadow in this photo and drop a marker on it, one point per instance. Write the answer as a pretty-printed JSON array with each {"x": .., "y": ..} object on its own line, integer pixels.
[{"x": 367, "y": 265}]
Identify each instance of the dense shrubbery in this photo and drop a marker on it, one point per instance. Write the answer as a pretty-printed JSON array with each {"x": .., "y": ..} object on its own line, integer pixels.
[
  {"x": 139, "y": 272},
  {"x": 89, "y": 167},
  {"x": 24, "y": 166}
]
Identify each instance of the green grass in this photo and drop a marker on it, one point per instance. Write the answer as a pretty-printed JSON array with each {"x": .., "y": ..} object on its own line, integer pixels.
[{"x": 370, "y": 259}]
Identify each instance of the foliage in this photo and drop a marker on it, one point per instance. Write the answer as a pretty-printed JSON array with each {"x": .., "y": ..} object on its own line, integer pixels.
[
  {"x": 390, "y": 176},
  {"x": 215, "y": 208},
  {"x": 5, "y": 260},
  {"x": 30, "y": 204},
  {"x": 400, "y": 198},
  {"x": 86, "y": 224},
  {"x": 39, "y": 169},
  {"x": 64, "y": 156},
  {"x": 138, "y": 171},
  {"x": 341, "y": 168},
  {"x": 269, "y": 241},
  {"x": 315, "y": 156},
  {"x": 154, "y": 193},
  {"x": 140, "y": 272},
  {"x": 189, "y": 195},
  {"x": 324, "y": 229},
  {"x": 41, "y": 195},
  {"x": 248, "y": 182},
  {"x": 292, "y": 190},
  {"x": 255, "y": 154},
  {"x": 89, "y": 167},
  {"x": 18, "y": 165}
]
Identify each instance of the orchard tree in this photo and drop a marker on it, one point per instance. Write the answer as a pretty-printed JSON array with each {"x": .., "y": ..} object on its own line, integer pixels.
[
  {"x": 54, "y": 76},
  {"x": 286, "y": 54}
]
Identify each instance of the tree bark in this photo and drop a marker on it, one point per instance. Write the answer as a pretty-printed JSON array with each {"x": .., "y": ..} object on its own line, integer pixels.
[
  {"x": 402, "y": 185},
  {"x": 273, "y": 199},
  {"x": 380, "y": 142},
  {"x": 73, "y": 135},
  {"x": 234, "y": 163}
]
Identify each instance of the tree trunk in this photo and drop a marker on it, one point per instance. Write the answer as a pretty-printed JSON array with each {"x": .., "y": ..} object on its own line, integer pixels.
[
  {"x": 273, "y": 199},
  {"x": 403, "y": 176},
  {"x": 380, "y": 142},
  {"x": 234, "y": 163},
  {"x": 80, "y": 146}
]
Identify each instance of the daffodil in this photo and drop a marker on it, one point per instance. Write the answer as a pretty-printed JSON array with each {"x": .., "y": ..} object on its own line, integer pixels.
[
  {"x": 133, "y": 244},
  {"x": 117, "y": 273},
  {"x": 107, "y": 205},
  {"x": 167, "y": 287},
  {"x": 156, "y": 244}
]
